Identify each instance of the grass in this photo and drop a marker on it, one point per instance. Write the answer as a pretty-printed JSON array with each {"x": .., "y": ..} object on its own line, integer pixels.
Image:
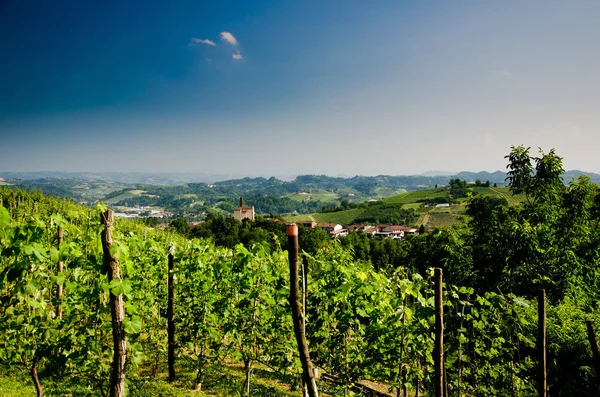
[
  {"x": 14, "y": 386},
  {"x": 221, "y": 381}
]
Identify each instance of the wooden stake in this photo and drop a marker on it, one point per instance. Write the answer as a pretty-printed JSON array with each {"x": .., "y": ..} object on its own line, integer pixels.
[
  {"x": 307, "y": 368},
  {"x": 438, "y": 351},
  {"x": 542, "y": 342},
  {"x": 170, "y": 321},
  {"x": 59, "y": 287},
  {"x": 402, "y": 388},
  {"x": 595, "y": 349},
  {"x": 111, "y": 267},
  {"x": 304, "y": 273}
]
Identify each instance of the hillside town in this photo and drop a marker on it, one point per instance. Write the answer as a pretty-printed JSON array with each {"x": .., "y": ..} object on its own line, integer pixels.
[
  {"x": 244, "y": 212},
  {"x": 379, "y": 231}
]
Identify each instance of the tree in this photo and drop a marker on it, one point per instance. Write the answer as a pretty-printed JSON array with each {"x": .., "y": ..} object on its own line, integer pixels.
[
  {"x": 312, "y": 239},
  {"x": 345, "y": 204},
  {"x": 542, "y": 184},
  {"x": 181, "y": 226},
  {"x": 458, "y": 188}
]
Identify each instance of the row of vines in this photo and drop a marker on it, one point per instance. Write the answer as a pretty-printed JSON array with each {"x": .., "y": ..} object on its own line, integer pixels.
[{"x": 231, "y": 306}]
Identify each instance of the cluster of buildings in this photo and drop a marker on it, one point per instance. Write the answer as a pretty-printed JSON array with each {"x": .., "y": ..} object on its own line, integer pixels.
[
  {"x": 143, "y": 212},
  {"x": 379, "y": 231}
]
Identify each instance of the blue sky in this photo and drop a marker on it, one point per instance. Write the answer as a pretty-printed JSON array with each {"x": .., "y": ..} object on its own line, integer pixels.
[{"x": 333, "y": 87}]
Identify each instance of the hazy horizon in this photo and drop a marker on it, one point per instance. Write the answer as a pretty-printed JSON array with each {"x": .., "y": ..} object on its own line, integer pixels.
[{"x": 292, "y": 88}]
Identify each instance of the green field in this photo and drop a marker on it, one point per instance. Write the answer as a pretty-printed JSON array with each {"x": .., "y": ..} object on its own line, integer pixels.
[
  {"x": 316, "y": 195},
  {"x": 438, "y": 219},
  {"x": 135, "y": 193},
  {"x": 381, "y": 191},
  {"x": 342, "y": 217},
  {"x": 325, "y": 196},
  {"x": 335, "y": 197},
  {"x": 410, "y": 200},
  {"x": 413, "y": 197},
  {"x": 123, "y": 196},
  {"x": 502, "y": 192}
]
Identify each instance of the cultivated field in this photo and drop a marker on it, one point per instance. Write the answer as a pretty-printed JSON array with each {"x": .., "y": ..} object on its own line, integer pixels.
[{"x": 438, "y": 217}]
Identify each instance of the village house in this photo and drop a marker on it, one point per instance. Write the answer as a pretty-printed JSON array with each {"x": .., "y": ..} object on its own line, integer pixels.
[
  {"x": 379, "y": 231},
  {"x": 309, "y": 224},
  {"x": 390, "y": 231},
  {"x": 330, "y": 227},
  {"x": 243, "y": 211},
  {"x": 368, "y": 229},
  {"x": 339, "y": 232}
]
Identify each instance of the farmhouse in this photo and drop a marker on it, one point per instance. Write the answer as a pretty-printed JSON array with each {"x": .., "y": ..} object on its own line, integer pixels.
[
  {"x": 339, "y": 232},
  {"x": 390, "y": 231},
  {"x": 308, "y": 224},
  {"x": 330, "y": 227}
]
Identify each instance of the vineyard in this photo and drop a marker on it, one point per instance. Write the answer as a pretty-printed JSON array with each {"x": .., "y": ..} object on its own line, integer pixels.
[{"x": 65, "y": 269}]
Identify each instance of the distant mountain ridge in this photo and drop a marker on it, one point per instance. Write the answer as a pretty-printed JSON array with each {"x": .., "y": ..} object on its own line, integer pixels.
[
  {"x": 145, "y": 178},
  {"x": 429, "y": 178},
  {"x": 437, "y": 173}
]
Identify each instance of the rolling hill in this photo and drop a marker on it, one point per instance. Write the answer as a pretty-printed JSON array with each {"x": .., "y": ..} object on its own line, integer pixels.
[{"x": 417, "y": 201}]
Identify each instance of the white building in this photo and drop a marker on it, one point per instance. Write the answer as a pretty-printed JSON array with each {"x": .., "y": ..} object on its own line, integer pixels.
[{"x": 243, "y": 211}]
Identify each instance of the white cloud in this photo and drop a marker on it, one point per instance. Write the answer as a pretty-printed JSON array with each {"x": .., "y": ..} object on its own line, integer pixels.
[
  {"x": 237, "y": 56},
  {"x": 506, "y": 73},
  {"x": 195, "y": 41},
  {"x": 228, "y": 37}
]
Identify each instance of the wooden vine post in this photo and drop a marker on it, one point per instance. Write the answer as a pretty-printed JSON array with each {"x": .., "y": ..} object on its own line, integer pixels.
[
  {"x": 170, "y": 321},
  {"x": 307, "y": 368},
  {"x": 402, "y": 390},
  {"x": 304, "y": 273},
  {"x": 59, "y": 287},
  {"x": 542, "y": 343},
  {"x": 595, "y": 350},
  {"x": 111, "y": 267},
  {"x": 438, "y": 351}
]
